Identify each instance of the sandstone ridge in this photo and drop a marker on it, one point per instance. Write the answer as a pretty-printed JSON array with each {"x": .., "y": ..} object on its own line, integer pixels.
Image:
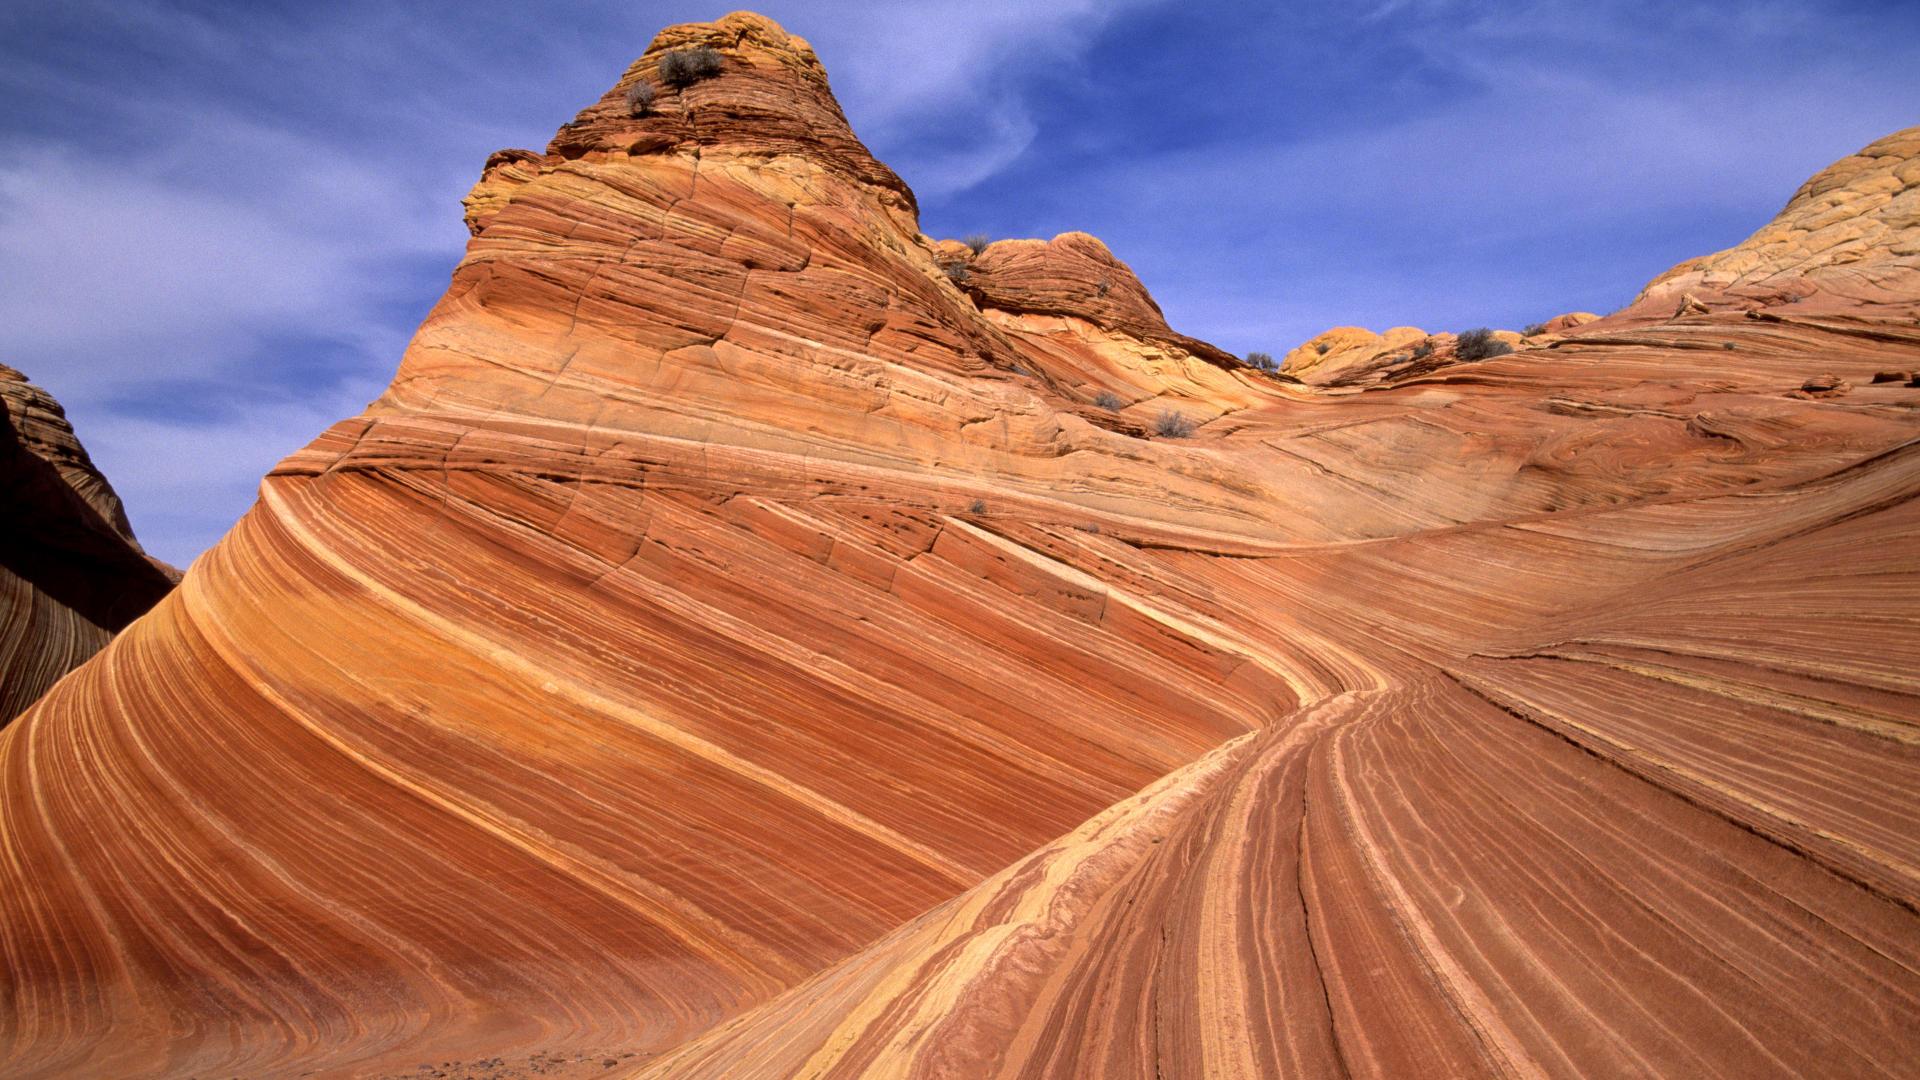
[
  {"x": 740, "y": 643},
  {"x": 1353, "y": 356}
]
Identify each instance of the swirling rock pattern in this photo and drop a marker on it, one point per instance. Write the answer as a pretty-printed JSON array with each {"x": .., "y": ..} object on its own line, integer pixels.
[
  {"x": 736, "y": 645},
  {"x": 71, "y": 573}
]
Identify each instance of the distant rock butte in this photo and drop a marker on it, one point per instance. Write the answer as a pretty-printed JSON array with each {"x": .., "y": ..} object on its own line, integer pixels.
[
  {"x": 1351, "y": 356},
  {"x": 71, "y": 573},
  {"x": 751, "y": 638}
]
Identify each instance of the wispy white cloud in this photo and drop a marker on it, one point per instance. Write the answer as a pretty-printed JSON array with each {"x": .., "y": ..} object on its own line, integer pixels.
[
  {"x": 169, "y": 294},
  {"x": 1546, "y": 177},
  {"x": 207, "y": 261},
  {"x": 938, "y": 87},
  {"x": 121, "y": 279}
]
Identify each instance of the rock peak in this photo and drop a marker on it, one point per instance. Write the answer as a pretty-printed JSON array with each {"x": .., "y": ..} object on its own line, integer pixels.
[
  {"x": 737, "y": 30},
  {"x": 769, "y": 97}
]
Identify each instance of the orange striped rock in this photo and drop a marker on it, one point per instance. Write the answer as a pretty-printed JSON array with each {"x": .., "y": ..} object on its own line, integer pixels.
[{"x": 738, "y": 645}]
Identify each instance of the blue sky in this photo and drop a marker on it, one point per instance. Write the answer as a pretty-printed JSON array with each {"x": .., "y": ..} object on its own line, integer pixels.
[{"x": 220, "y": 222}]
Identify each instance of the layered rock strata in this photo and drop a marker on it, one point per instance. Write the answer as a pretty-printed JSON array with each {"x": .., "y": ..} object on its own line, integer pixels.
[
  {"x": 71, "y": 573},
  {"x": 737, "y": 644}
]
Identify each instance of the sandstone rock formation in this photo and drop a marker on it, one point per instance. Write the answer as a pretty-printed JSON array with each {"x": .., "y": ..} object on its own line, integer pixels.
[
  {"x": 1849, "y": 238},
  {"x": 1354, "y": 353},
  {"x": 1352, "y": 356},
  {"x": 71, "y": 573},
  {"x": 736, "y": 645}
]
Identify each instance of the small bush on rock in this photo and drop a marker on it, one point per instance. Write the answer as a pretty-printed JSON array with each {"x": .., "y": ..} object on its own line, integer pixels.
[
  {"x": 977, "y": 243},
  {"x": 1263, "y": 361},
  {"x": 1172, "y": 425},
  {"x": 1478, "y": 344},
  {"x": 684, "y": 67},
  {"x": 1423, "y": 350},
  {"x": 956, "y": 272},
  {"x": 640, "y": 99},
  {"x": 1109, "y": 401},
  {"x": 1534, "y": 329}
]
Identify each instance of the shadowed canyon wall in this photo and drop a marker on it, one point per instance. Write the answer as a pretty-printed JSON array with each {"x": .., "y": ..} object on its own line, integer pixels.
[
  {"x": 752, "y": 638},
  {"x": 71, "y": 573}
]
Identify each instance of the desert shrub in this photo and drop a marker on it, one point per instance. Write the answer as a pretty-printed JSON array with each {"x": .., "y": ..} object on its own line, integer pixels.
[
  {"x": 1322, "y": 348},
  {"x": 1109, "y": 401},
  {"x": 1534, "y": 329},
  {"x": 1478, "y": 344},
  {"x": 684, "y": 67},
  {"x": 956, "y": 272},
  {"x": 1424, "y": 349},
  {"x": 1728, "y": 345},
  {"x": 978, "y": 506},
  {"x": 640, "y": 99},
  {"x": 1261, "y": 360},
  {"x": 977, "y": 243},
  {"x": 1173, "y": 425}
]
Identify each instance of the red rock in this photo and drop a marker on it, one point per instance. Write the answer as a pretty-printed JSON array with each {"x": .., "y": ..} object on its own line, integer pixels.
[
  {"x": 71, "y": 573},
  {"x": 1075, "y": 276},
  {"x": 729, "y": 639},
  {"x": 1572, "y": 320},
  {"x": 1825, "y": 386}
]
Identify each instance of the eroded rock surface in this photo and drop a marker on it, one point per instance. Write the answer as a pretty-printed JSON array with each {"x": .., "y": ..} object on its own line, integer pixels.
[
  {"x": 734, "y": 642},
  {"x": 1353, "y": 356},
  {"x": 71, "y": 573},
  {"x": 1849, "y": 238}
]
